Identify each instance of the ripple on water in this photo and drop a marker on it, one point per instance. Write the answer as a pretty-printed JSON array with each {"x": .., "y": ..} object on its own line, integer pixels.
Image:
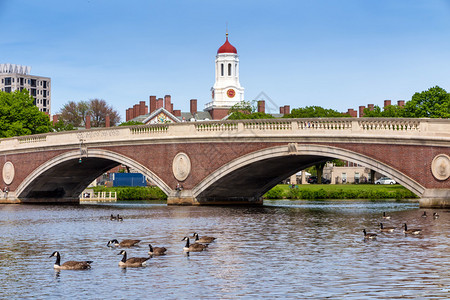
[{"x": 286, "y": 249}]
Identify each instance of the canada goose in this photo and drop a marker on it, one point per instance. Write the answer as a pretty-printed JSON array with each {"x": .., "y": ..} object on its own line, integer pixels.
[
  {"x": 156, "y": 250},
  {"x": 424, "y": 215},
  {"x": 132, "y": 261},
  {"x": 386, "y": 229},
  {"x": 435, "y": 215},
  {"x": 369, "y": 235},
  {"x": 119, "y": 218},
  {"x": 71, "y": 264},
  {"x": 384, "y": 216},
  {"x": 193, "y": 247},
  {"x": 124, "y": 243},
  {"x": 112, "y": 218},
  {"x": 205, "y": 239},
  {"x": 411, "y": 231}
]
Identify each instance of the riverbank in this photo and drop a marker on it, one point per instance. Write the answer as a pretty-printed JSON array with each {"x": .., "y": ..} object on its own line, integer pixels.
[
  {"x": 339, "y": 191},
  {"x": 134, "y": 193}
]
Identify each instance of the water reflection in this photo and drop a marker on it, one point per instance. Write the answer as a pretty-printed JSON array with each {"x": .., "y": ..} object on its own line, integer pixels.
[{"x": 288, "y": 249}]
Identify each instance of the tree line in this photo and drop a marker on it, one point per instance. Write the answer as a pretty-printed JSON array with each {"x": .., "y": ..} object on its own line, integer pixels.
[{"x": 20, "y": 116}]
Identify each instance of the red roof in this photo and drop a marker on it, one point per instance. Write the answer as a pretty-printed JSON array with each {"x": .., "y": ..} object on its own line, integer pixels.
[{"x": 227, "y": 48}]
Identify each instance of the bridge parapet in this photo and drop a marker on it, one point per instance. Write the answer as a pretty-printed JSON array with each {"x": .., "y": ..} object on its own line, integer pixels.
[{"x": 431, "y": 130}]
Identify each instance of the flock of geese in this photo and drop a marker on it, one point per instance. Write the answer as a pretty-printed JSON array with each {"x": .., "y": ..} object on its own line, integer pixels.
[
  {"x": 406, "y": 230},
  {"x": 199, "y": 244}
]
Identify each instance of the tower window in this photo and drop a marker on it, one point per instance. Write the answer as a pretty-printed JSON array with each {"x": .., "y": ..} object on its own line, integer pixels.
[
  {"x": 229, "y": 69},
  {"x": 221, "y": 69}
]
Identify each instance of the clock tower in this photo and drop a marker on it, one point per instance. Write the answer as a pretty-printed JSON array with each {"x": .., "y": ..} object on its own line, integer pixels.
[{"x": 227, "y": 90}]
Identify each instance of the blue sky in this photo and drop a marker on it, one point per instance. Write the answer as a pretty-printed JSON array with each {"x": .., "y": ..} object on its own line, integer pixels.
[{"x": 332, "y": 53}]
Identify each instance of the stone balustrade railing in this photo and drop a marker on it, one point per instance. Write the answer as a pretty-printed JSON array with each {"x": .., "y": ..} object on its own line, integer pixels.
[{"x": 380, "y": 128}]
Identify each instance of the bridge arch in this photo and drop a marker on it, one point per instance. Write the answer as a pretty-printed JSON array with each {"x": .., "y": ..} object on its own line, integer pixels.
[
  {"x": 311, "y": 155},
  {"x": 61, "y": 165}
]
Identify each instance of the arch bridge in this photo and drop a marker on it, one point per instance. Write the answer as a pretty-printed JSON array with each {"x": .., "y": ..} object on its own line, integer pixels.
[{"x": 227, "y": 162}]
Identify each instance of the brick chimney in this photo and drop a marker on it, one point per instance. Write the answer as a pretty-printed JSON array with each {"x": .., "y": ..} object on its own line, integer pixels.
[
  {"x": 370, "y": 106},
  {"x": 167, "y": 103},
  {"x": 193, "y": 109},
  {"x": 152, "y": 103},
  {"x": 401, "y": 103},
  {"x": 159, "y": 103},
  {"x": 55, "y": 119},
  {"x": 361, "y": 111},
  {"x": 387, "y": 103},
  {"x": 107, "y": 121},
  {"x": 88, "y": 122},
  {"x": 261, "y": 106},
  {"x": 177, "y": 113},
  {"x": 142, "y": 108},
  {"x": 287, "y": 109},
  {"x": 136, "y": 110},
  {"x": 352, "y": 113}
]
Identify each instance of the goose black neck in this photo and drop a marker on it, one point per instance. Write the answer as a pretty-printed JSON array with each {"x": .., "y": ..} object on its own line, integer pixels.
[
  {"x": 124, "y": 257},
  {"x": 381, "y": 225},
  {"x": 187, "y": 243},
  {"x": 406, "y": 228},
  {"x": 58, "y": 259},
  {"x": 151, "y": 248}
]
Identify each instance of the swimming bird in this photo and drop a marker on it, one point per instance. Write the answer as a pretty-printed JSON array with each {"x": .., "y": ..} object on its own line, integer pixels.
[
  {"x": 424, "y": 215},
  {"x": 435, "y": 215},
  {"x": 384, "y": 216},
  {"x": 124, "y": 243},
  {"x": 112, "y": 218},
  {"x": 205, "y": 239},
  {"x": 119, "y": 218},
  {"x": 156, "y": 250},
  {"x": 71, "y": 264},
  {"x": 132, "y": 261},
  {"x": 411, "y": 231},
  {"x": 386, "y": 229},
  {"x": 193, "y": 247},
  {"x": 369, "y": 235}
]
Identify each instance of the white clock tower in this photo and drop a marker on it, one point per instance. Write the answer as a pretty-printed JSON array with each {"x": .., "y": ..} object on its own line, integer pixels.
[{"x": 227, "y": 90}]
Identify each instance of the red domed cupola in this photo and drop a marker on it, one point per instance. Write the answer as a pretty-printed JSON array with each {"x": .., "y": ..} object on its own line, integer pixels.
[{"x": 227, "y": 47}]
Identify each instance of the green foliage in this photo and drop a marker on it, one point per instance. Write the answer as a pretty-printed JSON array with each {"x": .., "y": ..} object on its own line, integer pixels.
[
  {"x": 390, "y": 111},
  {"x": 314, "y": 112},
  {"x": 349, "y": 191},
  {"x": 60, "y": 126},
  {"x": 246, "y": 110},
  {"x": 19, "y": 115},
  {"x": 275, "y": 193},
  {"x": 433, "y": 103},
  {"x": 131, "y": 123},
  {"x": 135, "y": 193}
]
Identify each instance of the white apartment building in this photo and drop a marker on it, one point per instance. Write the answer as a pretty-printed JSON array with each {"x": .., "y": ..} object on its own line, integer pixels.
[{"x": 16, "y": 77}]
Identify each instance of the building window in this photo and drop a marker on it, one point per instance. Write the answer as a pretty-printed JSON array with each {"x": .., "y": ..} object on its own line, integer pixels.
[
  {"x": 45, "y": 84},
  {"x": 229, "y": 69},
  {"x": 33, "y": 82},
  {"x": 356, "y": 177},
  {"x": 344, "y": 177},
  {"x": 8, "y": 89},
  {"x": 45, "y": 93},
  {"x": 8, "y": 81},
  {"x": 221, "y": 69}
]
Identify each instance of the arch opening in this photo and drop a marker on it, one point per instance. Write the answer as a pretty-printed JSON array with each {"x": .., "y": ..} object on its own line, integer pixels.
[
  {"x": 252, "y": 175},
  {"x": 65, "y": 177}
]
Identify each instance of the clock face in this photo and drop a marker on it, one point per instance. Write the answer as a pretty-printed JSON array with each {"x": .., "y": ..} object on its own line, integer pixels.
[{"x": 231, "y": 93}]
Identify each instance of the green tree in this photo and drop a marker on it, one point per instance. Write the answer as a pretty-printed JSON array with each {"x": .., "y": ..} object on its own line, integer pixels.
[
  {"x": 130, "y": 123},
  {"x": 314, "y": 112},
  {"x": 60, "y": 126},
  {"x": 74, "y": 113},
  {"x": 19, "y": 115},
  {"x": 246, "y": 110},
  {"x": 433, "y": 103},
  {"x": 99, "y": 109},
  {"x": 390, "y": 111}
]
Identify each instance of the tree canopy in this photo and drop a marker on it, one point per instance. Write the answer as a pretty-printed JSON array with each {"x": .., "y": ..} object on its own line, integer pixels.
[
  {"x": 314, "y": 112},
  {"x": 75, "y": 113},
  {"x": 433, "y": 103},
  {"x": 19, "y": 115},
  {"x": 246, "y": 110}
]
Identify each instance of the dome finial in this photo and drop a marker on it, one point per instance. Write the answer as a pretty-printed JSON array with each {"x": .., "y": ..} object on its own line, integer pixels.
[{"x": 226, "y": 28}]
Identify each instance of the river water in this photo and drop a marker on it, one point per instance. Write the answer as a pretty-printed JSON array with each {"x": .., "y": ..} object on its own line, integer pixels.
[{"x": 285, "y": 249}]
